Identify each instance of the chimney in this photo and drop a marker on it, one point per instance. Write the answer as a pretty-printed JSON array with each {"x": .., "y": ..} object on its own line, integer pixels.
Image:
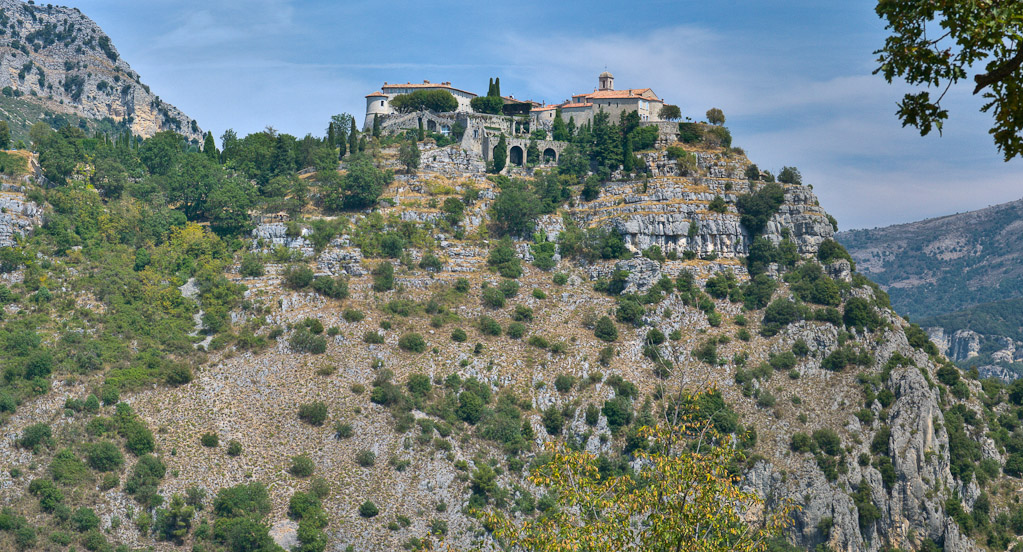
[{"x": 426, "y": 81}]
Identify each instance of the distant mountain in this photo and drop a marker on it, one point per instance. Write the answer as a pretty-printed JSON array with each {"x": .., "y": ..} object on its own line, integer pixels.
[
  {"x": 944, "y": 264},
  {"x": 58, "y": 66},
  {"x": 960, "y": 275}
]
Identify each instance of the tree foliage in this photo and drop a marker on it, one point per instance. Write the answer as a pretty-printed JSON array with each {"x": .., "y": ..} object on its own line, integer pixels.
[
  {"x": 683, "y": 495},
  {"x": 440, "y": 101},
  {"x": 935, "y": 44}
]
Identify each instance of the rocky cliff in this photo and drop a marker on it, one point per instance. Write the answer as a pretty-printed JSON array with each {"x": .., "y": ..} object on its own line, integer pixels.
[{"x": 59, "y": 60}]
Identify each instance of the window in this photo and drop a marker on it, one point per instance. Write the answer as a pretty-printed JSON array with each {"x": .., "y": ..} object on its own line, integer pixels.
[{"x": 381, "y": 103}]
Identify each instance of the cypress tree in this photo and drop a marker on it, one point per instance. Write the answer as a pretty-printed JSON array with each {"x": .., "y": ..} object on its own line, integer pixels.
[
  {"x": 490, "y": 87},
  {"x": 422, "y": 133},
  {"x": 353, "y": 139},
  {"x": 362, "y": 144},
  {"x": 376, "y": 126},
  {"x": 497, "y": 87},
  {"x": 628, "y": 160},
  {"x": 209, "y": 147},
  {"x": 500, "y": 154},
  {"x": 558, "y": 129},
  {"x": 331, "y": 138}
]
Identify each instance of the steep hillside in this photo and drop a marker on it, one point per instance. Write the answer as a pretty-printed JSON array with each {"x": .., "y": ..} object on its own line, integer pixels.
[
  {"x": 60, "y": 67},
  {"x": 395, "y": 367}
]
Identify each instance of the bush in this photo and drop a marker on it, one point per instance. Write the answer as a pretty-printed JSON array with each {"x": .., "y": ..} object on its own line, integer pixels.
[
  {"x": 431, "y": 262},
  {"x": 210, "y": 440},
  {"x": 298, "y": 276},
  {"x": 313, "y": 413},
  {"x": 335, "y": 288},
  {"x": 827, "y": 441},
  {"x": 35, "y": 436},
  {"x": 302, "y": 466},
  {"x": 516, "y": 330},
  {"x": 353, "y": 315},
  {"x": 504, "y": 260},
  {"x": 756, "y": 209},
  {"x": 343, "y": 431},
  {"x": 458, "y": 335},
  {"x": 718, "y": 205},
  {"x": 560, "y": 279},
  {"x": 365, "y": 458},
  {"x": 493, "y": 298},
  {"x": 251, "y": 266},
  {"x": 489, "y": 326},
  {"x": 508, "y": 288},
  {"x": 104, "y": 456},
  {"x": 563, "y": 383},
  {"x": 304, "y": 341},
  {"x": 373, "y": 338},
  {"x": 383, "y": 277},
  {"x": 859, "y": 313},
  {"x": 234, "y": 448},
  {"x": 801, "y": 442},
  {"x": 412, "y": 342},
  {"x": 553, "y": 420},
  {"x": 368, "y": 509},
  {"x": 790, "y": 175}
]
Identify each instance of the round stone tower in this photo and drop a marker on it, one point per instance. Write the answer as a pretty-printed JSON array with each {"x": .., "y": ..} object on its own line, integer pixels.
[
  {"x": 607, "y": 81},
  {"x": 376, "y": 104}
]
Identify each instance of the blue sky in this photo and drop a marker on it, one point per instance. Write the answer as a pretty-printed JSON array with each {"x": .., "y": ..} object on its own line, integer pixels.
[{"x": 792, "y": 77}]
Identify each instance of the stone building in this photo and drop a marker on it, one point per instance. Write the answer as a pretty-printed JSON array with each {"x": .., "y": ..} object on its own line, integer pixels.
[
  {"x": 582, "y": 107},
  {"x": 379, "y": 103}
]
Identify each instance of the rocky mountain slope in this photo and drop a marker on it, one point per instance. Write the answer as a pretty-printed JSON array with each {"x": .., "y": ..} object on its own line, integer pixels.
[
  {"x": 961, "y": 275},
  {"x": 58, "y": 65},
  {"x": 876, "y": 440}
]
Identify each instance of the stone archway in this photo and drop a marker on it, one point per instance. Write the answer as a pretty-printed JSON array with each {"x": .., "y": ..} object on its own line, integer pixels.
[
  {"x": 515, "y": 155},
  {"x": 550, "y": 156},
  {"x": 431, "y": 125}
]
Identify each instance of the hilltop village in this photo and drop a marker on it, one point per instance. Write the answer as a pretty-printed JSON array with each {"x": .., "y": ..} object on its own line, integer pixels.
[{"x": 478, "y": 123}]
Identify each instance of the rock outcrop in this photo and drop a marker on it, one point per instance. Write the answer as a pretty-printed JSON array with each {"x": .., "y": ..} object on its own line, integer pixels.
[{"x": 60, "y": 59}]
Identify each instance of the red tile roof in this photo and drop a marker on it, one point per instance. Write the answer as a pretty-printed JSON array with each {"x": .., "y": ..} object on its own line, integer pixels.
[
  {"x": 377, "y": 94},
  {"x": 546, "y": 108},
  {"x": 571, "y": 105},
  {"x": 645, "y": 93}
]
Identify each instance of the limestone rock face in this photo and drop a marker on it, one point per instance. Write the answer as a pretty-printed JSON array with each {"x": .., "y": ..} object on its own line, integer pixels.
[
  {"x": 918, "y": 443},
  {"x": 959, "y": 345},
  {"x": 58, "y": 58},
  {"x": 18, "y": 217},
  {"x": 673, "y": 212}
]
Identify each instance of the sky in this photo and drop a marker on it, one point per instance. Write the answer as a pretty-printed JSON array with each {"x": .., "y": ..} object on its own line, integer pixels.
[{"x": 793, "y": 77}]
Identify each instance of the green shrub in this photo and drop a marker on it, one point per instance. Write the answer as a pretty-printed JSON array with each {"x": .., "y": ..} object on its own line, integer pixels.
[
  {"x": 104, "y": 456},
  {"x": 718, "y": 205},
  {"x": 368, "y": 509},
  {"x": 210, "y": 440},
  {"x": 489, "y": 326},
  {"x": 493, "y": 298},
  {"x": 560, "y": 279},
  {"x": 343, "y": 431},
  {"x": 298, "y": 276},
  {"x": 827, "y": 441},
  {"x": 553, "y": 420},
  {"x": 352, "y": 315},
  {"x": 516, "y": 330},
  {"x": 504, "y": 260},
  {"x": 365, "y": 458},
  {"x": 335, "y": 288},
  {"x": 563, "y": 383},
  {"x": 412, "y": 342},
  {"x": 251, "y": 266},
  {"x": 373, "y": 338},
  {"x": 458, "y": 335},
  {"x": 757, "y": 208},
  {"x": 522, "y": 314},
  {"x": 302, "y": 466},
  {"x": 801, "y": 442},
  {"x": 234, "y": 448},
  {"x": 313, "y": 413},
  {"x": 304, "y": 341},
  {"x": 383, "y": 277},
  {"x": 35, "y": 436}
]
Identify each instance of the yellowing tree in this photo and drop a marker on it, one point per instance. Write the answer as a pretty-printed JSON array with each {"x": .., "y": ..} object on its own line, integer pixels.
[{"x": 683, "y": 497}]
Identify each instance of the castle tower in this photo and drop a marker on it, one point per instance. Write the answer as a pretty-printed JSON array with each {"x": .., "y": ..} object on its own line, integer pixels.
[{"x": 607, "y": 81}]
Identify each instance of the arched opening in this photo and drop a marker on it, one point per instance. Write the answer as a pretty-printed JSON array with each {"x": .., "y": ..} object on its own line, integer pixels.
[
  {"x": 549, "y": 155},
  {"x": 515, "y": 155},
  {"x": 431, "y": 126}
]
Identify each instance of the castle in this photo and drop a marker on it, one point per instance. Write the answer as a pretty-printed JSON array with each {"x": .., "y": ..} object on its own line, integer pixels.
[{"x": 480, "y": 131}]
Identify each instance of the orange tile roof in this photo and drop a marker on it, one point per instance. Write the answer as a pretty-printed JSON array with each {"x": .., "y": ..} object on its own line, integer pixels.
[
  {"x": 546, "y": 108},
  {"x": 426, "y": 85},
  {"x": 620, "y": 94},
  {"x": 571, "y": 105},
  {"x": 376, "y": 95}
]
